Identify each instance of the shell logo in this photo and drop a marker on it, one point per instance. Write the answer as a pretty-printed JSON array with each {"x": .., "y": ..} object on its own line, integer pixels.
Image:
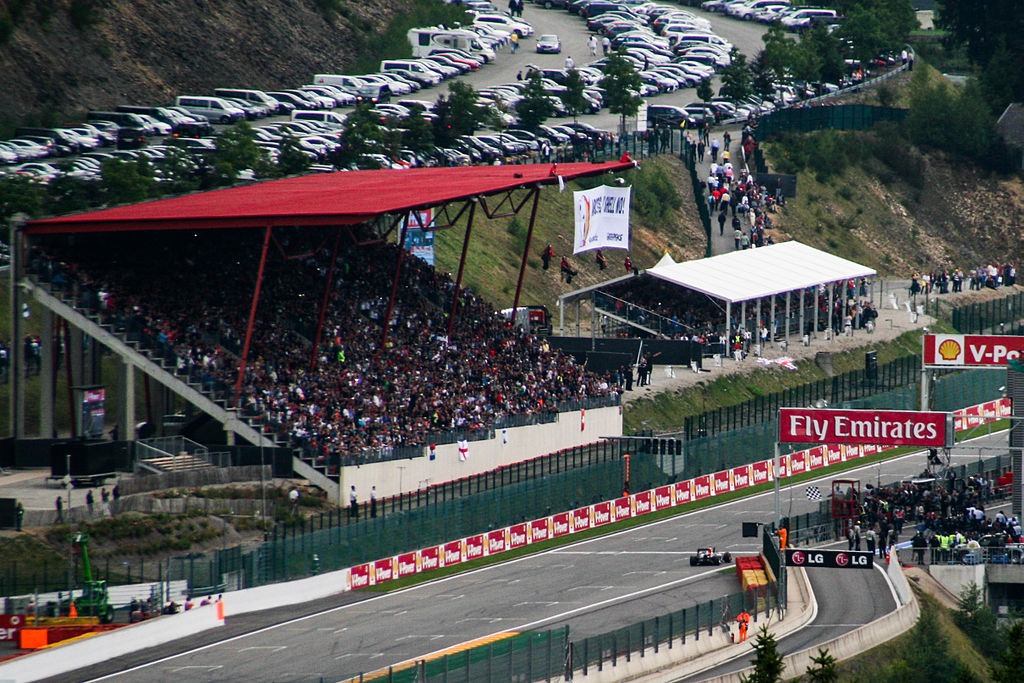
[{"x": 950, "y": 350}]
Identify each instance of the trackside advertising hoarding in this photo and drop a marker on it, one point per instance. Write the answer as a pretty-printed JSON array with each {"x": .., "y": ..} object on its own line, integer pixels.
[
  {"x": 672, "y": 495},
  {"x": 877, "y": 427},
  {"x": 971, "y": 350}
]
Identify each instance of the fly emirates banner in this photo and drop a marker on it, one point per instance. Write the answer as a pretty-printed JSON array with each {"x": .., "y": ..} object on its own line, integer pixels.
[{"x": 879, "y": 427}]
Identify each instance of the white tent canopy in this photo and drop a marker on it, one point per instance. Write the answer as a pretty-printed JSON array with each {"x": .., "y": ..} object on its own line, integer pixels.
[{"x": 756, "y": 273}]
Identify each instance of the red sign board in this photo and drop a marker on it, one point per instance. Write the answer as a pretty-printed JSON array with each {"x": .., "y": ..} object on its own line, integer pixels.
[
  {"x": 10, "y": 625},
  {"x": 971, "y": 350},
  {"x": 887, "y": 427}
]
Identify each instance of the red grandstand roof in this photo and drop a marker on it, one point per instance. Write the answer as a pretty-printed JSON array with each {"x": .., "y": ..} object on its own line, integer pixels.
[{"x": 342, "y": 198}]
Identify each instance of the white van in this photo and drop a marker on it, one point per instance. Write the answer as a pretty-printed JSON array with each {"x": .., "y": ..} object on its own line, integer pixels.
[
  {"x": 800, "y": 17},
  {"x": 255, "y": 96},
  {"x": 216, "y": 109},
  {"x": 419, "y": 72},
  {"x": 694, "y": 37},
  {"x": 504, "y": 23},
  {"x": 332, "y": 119},
  {"x": 425, "y": 40},
  {"x": 344, "y": 81}
]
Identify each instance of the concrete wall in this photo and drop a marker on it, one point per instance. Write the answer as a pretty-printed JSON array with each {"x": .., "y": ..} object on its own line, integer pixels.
[
  {"x": 956, "y": 577},
  {"x": 76, "y": 655},
  {"x": 507, "y": 447}
]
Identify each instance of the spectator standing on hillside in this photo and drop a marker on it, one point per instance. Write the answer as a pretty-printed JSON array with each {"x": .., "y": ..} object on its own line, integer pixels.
[
  {"x": 628, "y": 264},
  {"x": 601, "y": 260},
  {"x": 547, "y": 255}
]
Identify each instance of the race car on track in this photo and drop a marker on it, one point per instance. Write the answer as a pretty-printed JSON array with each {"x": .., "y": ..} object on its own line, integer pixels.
[{"x": 706, "y": 556}]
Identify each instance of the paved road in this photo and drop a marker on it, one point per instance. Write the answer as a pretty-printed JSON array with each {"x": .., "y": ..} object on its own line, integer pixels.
[{"x": 593, "y": 586}]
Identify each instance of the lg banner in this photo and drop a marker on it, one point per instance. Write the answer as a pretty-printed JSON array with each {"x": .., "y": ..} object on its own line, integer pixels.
[
  {"x": 971, "y": 350},
  {"x": 602, "y": 219},
  {"x": 883, "y": 427}
]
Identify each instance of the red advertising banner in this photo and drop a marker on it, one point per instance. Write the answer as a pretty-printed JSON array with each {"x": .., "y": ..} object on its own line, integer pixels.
[
  {"x": 11, "y": 625},
  {"x": 816, "y": 457},
  {"x": 430, "y": 558},
  {"x": 359, "y": 576},
  {"x": 383, "y": 570},
  {"x": 580, "y": 519},
  {"x": 884, "y": 427},
  {"x": 971, "y": 350},
  {"x": 602, "y": 513},
  {"x": 475, "y": 547},
  {"x": 538, "y": 530},
  {"x": 643, "y": 503},
  {"x": 721, "y": 482},
  {"x": 683, "y": 493},
  {"x": 408, "y": 563},
  {"x": 496, "y": 541},
  {"x": 517, "y": 536},
  {"x": 452, "y": 553},
  {"x": 662, "y": 497},
  {"x": 798, "y": 462},
  {"x": 560, "y": 524},
  {"x": 761, "y": 470},
  {"x": 741, "y": 477},
  {"x": 701, "y": 487},
  {"x": 623, "y": 508}
]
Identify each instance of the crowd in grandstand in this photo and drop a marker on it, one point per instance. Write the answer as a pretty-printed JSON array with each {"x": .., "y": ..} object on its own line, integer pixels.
[{"x": 191, "y": 300}]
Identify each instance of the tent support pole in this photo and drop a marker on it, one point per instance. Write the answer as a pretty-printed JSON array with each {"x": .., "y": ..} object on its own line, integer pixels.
[
  {"x": 252, "y": 313},
  {"x": 526, "y": 251},
  {"x": 803, "y": 316},
  {"x": 323, "y": 304},
  {"x": 462, "y": 267},
  {"x": 816, "y": 307},
  {"x": 788, "y": 318},
  {"x": 760, "y": 324},
  {"x": 394, "y": 285},
  {"x": 831, "y": 311}
]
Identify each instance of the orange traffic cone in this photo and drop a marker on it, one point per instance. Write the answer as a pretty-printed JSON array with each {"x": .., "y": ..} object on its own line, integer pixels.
[{"x": 73, "y": 612}]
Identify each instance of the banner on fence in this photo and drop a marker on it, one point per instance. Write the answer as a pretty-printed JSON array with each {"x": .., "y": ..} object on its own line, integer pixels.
[
  {"x": 971, "y": 350},
  {"x": 646, "y": 502}
]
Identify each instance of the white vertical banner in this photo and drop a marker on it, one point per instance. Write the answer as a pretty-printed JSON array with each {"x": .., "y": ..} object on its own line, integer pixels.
[{"x": 602, "y": 218}]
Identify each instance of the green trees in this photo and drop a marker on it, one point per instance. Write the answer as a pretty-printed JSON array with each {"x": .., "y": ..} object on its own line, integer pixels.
[
  {"x": 948, "y": 117},
  {"x": 621, "y": 85},
  {"x": 824, "y": 668},
  {"x": 362, "y": 133},
  {"x": 237, "y": 151},
  {"x": 993, "y": 33},
  {"x": 737, "y": 78},
  {"x": 534, "y": 108},
  {"x": 768, "y": 664},
  {"x": 573, "y": 99},
  {"x": 876, "y": 26}
]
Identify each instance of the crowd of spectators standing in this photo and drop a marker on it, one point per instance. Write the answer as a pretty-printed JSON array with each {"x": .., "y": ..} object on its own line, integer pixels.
[
  {"x": 944, "y": 514},
  {"x": 190, "y": 297},
  {"x": 946, "y": 280}
]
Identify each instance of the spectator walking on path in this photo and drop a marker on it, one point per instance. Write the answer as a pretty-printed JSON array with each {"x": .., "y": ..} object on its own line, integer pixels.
[
  {"x": 606, "y": 45},
  {"x": 514, "y": 42},
  {"x": 700, "y": 150},
  {"x": 737, "y": 236},
  {"x": 721, "y": 223},
  {"x": 570, "y": 63},
  {"x": 373, "y": 501},
  {"x": 59, "y": 503},
  {"x": 592, "y": 44},
  {"x": 715, "y": 146},
  {"x": 90, "y": 501}
]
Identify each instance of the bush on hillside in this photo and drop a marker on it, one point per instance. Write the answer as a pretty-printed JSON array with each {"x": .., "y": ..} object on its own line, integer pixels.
[{"x": 655, "y": 196}]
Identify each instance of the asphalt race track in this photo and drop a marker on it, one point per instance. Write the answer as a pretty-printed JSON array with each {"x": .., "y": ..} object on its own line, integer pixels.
[{"x": 594, "y": 586}]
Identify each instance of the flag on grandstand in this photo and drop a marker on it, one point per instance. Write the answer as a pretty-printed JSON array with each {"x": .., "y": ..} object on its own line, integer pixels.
[
  {"x": 813, "y": 493},
  {"x": 602, "y": 219},
  {"x": 463, "y": 450}
]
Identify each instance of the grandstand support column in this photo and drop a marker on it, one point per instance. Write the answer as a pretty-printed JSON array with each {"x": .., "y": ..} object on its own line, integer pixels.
[
  {"x": 126, "y": 411},
  {"x": 814, "y": 302},
  {"x": 16, "y": 409},
  {"x": 831, "y": 311},
  {"x": 788, "y": 318},
  {"x": 526, "y": 251},
  {"x": 462, "y": 268},
  {"x": 252, "y": 312},
  {"x": 394, "y": 291},
  {"x": 760, "y": 324},
  {"x": 323, "y": 304},
  {"x": 47, "y": 371},
  {"x": 803, "y": 316}
]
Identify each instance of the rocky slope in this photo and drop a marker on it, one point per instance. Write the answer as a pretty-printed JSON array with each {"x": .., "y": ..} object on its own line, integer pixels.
[{"x": 145, "y": 51}]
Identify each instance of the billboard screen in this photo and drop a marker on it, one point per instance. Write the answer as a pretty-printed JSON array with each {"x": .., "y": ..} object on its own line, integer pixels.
[
  {"x": 883, "y": 427},
  {"x": 971, "y": 350}
]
